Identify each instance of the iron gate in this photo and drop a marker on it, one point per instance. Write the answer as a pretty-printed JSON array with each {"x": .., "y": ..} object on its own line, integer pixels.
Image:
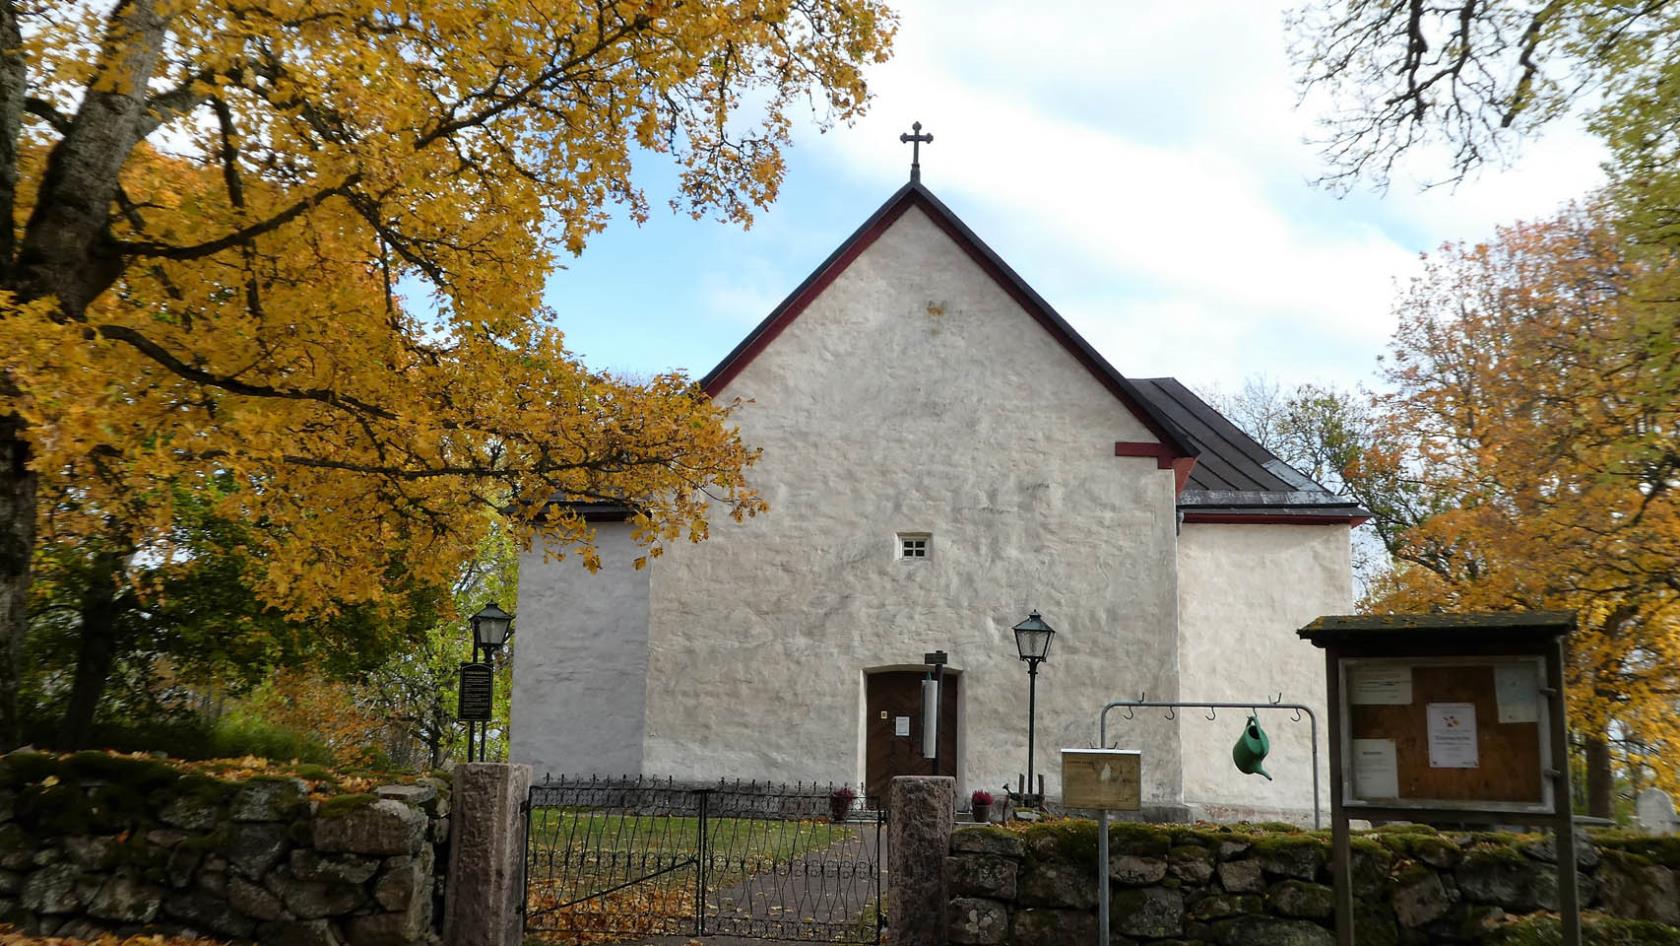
[{"x": 642, "y": 858}]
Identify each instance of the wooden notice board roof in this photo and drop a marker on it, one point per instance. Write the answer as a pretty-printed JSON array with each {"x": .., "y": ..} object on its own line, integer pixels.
[{"x": 1373, "y": 628}]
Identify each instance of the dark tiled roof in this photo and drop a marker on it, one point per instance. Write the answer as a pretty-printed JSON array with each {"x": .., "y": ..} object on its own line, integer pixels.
[{"x": 1233, "y": 473}]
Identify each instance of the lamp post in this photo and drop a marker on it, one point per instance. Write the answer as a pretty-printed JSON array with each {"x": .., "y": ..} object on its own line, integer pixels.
[
  {"x": 1032, "y": 641},
  {"x": 490, "y": 629}
]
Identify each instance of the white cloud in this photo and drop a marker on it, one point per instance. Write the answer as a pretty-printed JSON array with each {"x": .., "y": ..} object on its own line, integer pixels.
[
  {"x": 1144, "y": 166},
  {"x": 742, "y": 296}
]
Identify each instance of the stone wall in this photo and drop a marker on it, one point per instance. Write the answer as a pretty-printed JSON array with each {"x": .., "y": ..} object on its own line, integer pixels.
[
  {"x": 92, "y": 843},
  {"x": 1238, "y": 887}
]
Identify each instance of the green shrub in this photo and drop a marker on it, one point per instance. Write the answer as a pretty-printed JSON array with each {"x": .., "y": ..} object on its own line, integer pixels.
[
  {"x": 235, "y": 735},
  {"x": 240, "y": 734}
]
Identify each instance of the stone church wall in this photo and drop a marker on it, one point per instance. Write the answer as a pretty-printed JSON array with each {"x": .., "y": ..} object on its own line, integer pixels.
[
  {"x": 915, "y": 395},
  {"x": 93, "y": 843},
  {"x": 581, "y": 673},
  {"x": 1255, "y": 887},
  {"x": 1244, "y": 590}
]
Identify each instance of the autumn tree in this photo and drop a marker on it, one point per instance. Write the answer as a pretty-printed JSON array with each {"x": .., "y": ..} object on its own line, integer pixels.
[
  {"x": 1469, "y": 79},
  {"x": 211, "y": 206},
  {"x": 416, "y": 688},
  {"x": 106, "y": 617},
  {"x": 1334, "y": 437},
  {"x": 1532, "y": 392}
]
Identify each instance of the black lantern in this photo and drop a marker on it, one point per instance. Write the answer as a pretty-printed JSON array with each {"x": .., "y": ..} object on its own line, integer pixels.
[
  {"x": 1032, "y": 641},
  {"x": 490, "y": 628},
  {"x": 1032, "y": 638}
]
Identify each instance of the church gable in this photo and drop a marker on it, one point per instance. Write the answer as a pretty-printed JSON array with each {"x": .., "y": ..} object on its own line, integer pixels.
[{"x": 1164, "y": 437}]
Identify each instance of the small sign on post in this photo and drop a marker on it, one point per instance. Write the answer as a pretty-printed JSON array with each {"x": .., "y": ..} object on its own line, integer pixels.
[
  {"x": 1107, "y": 779},
  {"x": 476, "y": 696}
]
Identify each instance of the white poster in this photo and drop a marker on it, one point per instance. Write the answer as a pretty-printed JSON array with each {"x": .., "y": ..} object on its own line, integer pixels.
[
  {"x": 1376, "y": 770},
  {"x": 1517, "y": 687},
  {"x": 901, "y": 725},
  {"x": 1452, "y": 736},
  {"x": 1380, "y": 685}
]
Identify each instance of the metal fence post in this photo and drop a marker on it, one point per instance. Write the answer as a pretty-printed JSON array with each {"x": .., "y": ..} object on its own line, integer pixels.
[
  {"x": 525, "y": 860},
  {"x": 700, "y": 867}
]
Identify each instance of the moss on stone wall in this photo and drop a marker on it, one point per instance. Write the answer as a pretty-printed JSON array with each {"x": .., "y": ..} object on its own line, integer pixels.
[
  {"x": 1253, "y": 883},
  {"x": 340, "y": 805},
  {"x": 94, "y": 843},
  {"x": 1595, "y": 931},
  {"x": 1654, "y": 850}
]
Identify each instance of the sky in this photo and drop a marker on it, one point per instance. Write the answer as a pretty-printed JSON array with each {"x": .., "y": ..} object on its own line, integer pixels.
[{"x": 1143, "y": 164}]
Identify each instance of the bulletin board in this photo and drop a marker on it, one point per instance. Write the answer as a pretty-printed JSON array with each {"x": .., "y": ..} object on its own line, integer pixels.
[{"x": 1471, "y": 732}]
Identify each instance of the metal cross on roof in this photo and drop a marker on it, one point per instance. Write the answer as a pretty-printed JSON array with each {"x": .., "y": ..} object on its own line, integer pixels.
[{"x": 915, "y": 141}]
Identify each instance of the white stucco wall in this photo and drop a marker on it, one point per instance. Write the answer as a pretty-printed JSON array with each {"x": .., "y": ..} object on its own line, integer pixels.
[
  {"x": 915, "y": 395},
  {"x": 580, "y": 677},
  {"x": 1243, "y": 591}
]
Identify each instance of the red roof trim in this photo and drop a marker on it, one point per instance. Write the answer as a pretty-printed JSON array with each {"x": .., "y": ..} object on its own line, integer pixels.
[
  {"x": 914, "y": 194},
  {"x": 1164, "y": 456},
  {"x": 1272, "y": 519}
]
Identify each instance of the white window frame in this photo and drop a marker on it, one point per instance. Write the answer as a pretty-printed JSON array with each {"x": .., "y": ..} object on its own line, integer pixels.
[{"x": 902, "y": 548}]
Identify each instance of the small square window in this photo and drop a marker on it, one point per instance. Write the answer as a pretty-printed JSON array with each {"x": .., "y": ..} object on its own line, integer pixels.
[{"x": 914, "y": 545}]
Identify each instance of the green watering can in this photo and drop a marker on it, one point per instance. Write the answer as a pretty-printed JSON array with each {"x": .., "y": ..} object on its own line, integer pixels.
[{"x": 1251, "y": 749}]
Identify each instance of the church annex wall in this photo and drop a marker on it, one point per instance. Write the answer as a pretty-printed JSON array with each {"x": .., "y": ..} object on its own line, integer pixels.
[
  {"x": 1243, "y": 592},
  {"x": 915, "y": 395},
  {"x": 580, "y": 676}
]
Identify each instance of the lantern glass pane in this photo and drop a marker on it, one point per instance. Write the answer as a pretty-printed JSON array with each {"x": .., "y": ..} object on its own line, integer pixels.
[
  {"x": 490, "y": 626},
  {"x": 1033, "y": 644}
]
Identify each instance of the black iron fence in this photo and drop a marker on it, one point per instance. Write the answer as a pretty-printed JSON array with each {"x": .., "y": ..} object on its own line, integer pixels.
[{"x": 611, "y": 858}]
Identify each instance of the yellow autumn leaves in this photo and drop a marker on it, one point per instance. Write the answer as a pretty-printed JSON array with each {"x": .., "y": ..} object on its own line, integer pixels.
[
  {"x": 327, "y": 256},
  {"x": 1534, "y": 415}
]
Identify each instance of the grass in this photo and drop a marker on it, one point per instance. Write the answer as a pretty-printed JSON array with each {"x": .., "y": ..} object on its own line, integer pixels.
[{"x": 596, "y": 843}]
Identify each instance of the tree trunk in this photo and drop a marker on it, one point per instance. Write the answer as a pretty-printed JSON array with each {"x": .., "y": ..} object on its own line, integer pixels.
[
  {"x": 96, "y": 653},
  {"x": 1600, "y": 777},
  {"x": 17, "y": 544}
]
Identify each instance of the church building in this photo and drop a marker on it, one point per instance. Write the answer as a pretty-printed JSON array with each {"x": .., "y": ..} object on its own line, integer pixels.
[{"x": 943, "y": 454}]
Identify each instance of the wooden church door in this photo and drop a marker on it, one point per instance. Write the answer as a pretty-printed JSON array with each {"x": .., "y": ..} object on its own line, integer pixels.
[{"x": 893, "y": 738}]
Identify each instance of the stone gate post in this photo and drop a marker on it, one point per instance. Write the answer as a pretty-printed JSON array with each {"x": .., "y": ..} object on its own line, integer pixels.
[
  {"x": 486, "y": 883},
  {"x": 921, "y": 810}
]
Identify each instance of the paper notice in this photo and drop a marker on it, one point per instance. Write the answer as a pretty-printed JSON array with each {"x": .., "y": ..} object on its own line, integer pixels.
[
  {"x": 901, "y": 725},
  {"x": 1380, "y": 685},
  {"x": 1517, "y": 687},
  {"x": 1452, "y": 736},
  {"x": 1376, "y": 771}
]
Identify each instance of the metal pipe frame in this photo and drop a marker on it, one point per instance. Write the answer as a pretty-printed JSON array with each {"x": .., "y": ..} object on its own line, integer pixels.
[{"x": 1102, "y": 814}]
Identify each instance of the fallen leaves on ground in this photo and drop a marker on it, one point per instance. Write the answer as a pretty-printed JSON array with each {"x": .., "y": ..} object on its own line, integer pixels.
[
  {"x": 610, "y": 918},
  {"x": 324, "y": 782}
]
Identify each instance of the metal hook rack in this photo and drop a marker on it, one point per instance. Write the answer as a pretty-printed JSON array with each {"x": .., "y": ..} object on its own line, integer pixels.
[{"x": 1172, "y": 706}]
